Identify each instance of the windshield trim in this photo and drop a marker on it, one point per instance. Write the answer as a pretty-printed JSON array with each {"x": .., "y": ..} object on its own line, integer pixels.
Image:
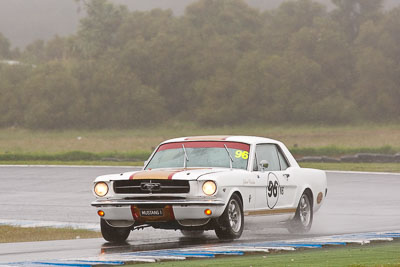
[{"x": 204, "y": 144}]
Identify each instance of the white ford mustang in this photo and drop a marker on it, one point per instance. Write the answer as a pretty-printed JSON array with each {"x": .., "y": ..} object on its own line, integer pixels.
[{"x": 210, "y": 183}]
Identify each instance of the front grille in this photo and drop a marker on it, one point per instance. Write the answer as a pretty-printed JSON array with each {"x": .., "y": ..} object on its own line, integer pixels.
[{"x": 151, "y": 186}]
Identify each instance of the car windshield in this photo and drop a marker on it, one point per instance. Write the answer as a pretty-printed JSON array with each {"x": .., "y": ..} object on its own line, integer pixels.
[{"x": 201, "y": 154}]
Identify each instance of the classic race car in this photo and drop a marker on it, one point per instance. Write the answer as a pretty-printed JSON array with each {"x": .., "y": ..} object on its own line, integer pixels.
[{"x": 210, "y": 183}]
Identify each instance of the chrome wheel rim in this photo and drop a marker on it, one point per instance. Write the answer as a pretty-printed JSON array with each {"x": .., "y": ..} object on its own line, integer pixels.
[
  {"x": 305, "y": 211},
  {"x": 235, "y": 215}
]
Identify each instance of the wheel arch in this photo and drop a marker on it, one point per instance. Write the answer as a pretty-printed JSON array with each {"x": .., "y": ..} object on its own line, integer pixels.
[
  {"x": 296, "y": 224},
  {"x": 310, "y": 194},
  {"x": 237, "y": 192},
  {"x": 234, "y": 191}
]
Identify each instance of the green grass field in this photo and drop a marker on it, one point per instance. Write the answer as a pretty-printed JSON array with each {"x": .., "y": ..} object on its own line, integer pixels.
[
  {"x": 132, "y": 147},
  {"x": 358, "y": 167},
  {"x": 99, "y": 141},
  {"x": 11, "y": 234},
  {"x": 378, "y": 254}
]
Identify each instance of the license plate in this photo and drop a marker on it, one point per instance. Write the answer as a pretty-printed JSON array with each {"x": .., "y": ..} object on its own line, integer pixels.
[{"x": 152, "y": 212}]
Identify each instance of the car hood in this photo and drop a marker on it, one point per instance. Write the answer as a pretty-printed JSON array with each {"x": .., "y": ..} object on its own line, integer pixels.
[{"x": 160, "y": 174}]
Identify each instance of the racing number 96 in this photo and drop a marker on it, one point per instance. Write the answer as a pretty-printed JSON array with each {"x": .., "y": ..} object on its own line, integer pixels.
[
  {"x": 241, "y": 154},
  {"x": 273, "y": 188}
]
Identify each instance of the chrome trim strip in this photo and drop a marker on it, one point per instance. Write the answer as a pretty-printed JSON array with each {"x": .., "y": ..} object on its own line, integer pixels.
[
  {"x": 268, "y": 212},
  {"x": 164, "y": 186}
]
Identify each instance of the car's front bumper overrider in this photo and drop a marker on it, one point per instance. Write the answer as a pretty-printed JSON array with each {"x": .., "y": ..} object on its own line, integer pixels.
[{"x": 180, "y": 202}]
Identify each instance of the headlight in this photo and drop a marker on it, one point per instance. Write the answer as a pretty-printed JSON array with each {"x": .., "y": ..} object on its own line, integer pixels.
[
  {"x": 101, "y": 189},
  {"x": 209, "y": 188}
]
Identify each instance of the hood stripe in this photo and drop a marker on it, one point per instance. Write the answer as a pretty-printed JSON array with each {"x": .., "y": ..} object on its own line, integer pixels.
[{"x": 150, "y": 174}]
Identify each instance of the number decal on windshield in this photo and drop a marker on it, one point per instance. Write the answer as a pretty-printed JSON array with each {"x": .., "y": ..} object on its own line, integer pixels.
[{"x": 241, "y": 154}]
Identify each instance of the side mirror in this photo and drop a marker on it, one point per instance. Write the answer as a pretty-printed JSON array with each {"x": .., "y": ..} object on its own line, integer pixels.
[{"x": 263, "y": 165}]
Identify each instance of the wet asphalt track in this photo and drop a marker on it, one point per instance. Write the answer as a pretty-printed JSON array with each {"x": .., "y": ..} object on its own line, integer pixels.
[{"x": 357, "y": 202}]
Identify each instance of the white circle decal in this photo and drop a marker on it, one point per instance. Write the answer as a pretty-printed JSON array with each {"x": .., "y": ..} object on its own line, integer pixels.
[{"x": 272, "y": 190}]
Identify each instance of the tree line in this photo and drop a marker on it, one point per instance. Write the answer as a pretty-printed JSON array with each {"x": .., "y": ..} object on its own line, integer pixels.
[{"x": 220, "y": 63}]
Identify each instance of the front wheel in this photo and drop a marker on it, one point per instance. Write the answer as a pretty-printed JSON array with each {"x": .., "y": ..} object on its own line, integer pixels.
[
  {"x": 114, "y": 234},
  {"x": 302, "y": 221},
  {"x": 230, "y": 224}
]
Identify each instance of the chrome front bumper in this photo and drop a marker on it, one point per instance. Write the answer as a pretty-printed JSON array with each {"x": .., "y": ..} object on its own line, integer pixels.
[{"x": 183, "y": 202}]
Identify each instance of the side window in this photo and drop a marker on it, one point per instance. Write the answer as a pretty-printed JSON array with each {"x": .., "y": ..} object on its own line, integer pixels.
[
  {"x": 282, "y": 160},
  {"x": 269, "y": 153}
]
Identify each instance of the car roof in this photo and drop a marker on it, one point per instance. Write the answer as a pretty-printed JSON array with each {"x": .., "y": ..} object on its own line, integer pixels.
[{"x": 230, "y": 138}]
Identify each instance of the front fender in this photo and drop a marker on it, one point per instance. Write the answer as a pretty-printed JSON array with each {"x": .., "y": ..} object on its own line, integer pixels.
[{"x": 234, "y": 190}]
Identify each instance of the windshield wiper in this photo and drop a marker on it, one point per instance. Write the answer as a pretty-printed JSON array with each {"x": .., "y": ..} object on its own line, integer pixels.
[
  {"x": 185, "y": 158},
  {"x": 230, "y": 157}
]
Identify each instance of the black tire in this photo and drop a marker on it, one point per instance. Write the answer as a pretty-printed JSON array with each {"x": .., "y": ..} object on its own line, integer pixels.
[
  {"x": 302, "y": 221},
  {"x": 114, "y": 234},
  {"x": 230, "y": 224},
  {"x": 192, "y": 233}
]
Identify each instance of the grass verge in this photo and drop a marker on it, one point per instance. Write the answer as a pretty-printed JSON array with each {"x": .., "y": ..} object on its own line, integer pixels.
[
  {"x": 76, "y": 156},
  {"x": 110, "y": 146},
  {"x": 144, "y": 155},
  {"x": 11, "y": 234},
  {"x": 375, "y": 136},
  {"x": 360, "y": 167},
  {"x": 73, "y": 163},
  {"x": 129, "y": 158},
  {"x": 376, "y": 254},
  {"x": 336, "y": 151}
]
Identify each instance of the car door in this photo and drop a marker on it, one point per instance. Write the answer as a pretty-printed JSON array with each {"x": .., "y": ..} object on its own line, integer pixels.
[
  {"x": 288, "y": 185},
  {"x": 273, "y": 183}
]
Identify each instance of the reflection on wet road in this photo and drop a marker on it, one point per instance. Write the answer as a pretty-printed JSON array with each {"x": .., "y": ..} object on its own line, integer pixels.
[{"x": 357, "y": 202}]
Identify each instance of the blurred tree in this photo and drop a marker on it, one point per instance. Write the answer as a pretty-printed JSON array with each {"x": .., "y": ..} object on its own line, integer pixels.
[
  {"x": 389, "y": 40},
  {"x": 216, "y": 33},
  {"x": 52, "y": 98},
  {"x": 98, "y": 30},
  {"x": 326, "y": 45},
  {"x": 286, "y": 20},
  {"x": 56, "y": 48},
  {"x": 4, "y": 47},
  {"x": 221, "y": 62},
  {"x": 145, "y": 25},
  {"x": 12, "y": 109},
  {"x": 257, "y": 82},
  {"x": 352, "y": 13},
  {"x": 34, "y": 53},
  {"x": 224, "y": 17},
  {"x": 115, "y": 97},
  {"x": 216, "y": 106},
  {"x": 377, "y": 91}
]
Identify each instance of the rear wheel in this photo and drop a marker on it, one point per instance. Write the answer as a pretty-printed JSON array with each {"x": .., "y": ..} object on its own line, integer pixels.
[
  {"x": 230, "y": 224},
  {"x": 302, "y": 221},
  {"x": 114, "y": 234}
]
